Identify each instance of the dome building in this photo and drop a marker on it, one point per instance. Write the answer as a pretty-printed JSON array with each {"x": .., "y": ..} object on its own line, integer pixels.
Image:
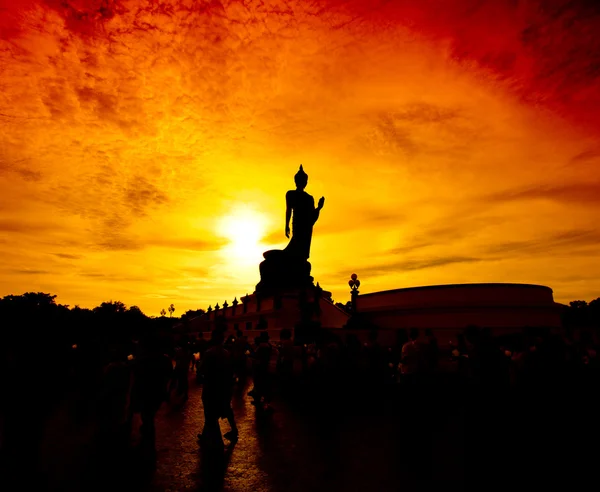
[{"x": 448, "y": 309}]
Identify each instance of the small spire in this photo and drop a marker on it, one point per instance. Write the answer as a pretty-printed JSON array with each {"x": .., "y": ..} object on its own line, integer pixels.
[{"x": 301, "y": 174}]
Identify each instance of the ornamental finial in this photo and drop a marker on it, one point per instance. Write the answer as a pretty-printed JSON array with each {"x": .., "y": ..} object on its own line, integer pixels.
[{"x": 301, "y": 175}]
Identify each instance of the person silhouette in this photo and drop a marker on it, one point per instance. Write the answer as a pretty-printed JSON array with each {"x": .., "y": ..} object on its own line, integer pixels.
[
  {"x": 217, "y": 392},
  {"x": 179, "y": 380},
  {"x": 300, "y": 207},
  {"x": 262, "y": 377},
  {"x": 239, "y": 355},
  {"x": 152, "y": 371}
]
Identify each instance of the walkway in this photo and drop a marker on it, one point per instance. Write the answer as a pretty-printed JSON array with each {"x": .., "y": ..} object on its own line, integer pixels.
[{"x": 293, "y": 449}]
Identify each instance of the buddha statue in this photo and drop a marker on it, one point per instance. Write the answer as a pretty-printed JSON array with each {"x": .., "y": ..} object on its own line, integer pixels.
[
  {"x": 289, "y": 268},
  {"x": 300, "y": 207}
]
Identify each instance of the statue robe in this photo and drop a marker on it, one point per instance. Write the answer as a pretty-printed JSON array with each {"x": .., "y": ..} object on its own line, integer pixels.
[{"x": 304, "y": 216}]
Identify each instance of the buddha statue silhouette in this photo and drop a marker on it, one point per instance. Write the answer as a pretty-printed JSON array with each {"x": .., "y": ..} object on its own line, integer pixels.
[
  {"x": 300, "y": 207},
  {"x": 289, "y": 268}
]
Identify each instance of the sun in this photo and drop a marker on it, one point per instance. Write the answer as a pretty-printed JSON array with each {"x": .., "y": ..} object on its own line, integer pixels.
[{"x": 244, "y": 228}]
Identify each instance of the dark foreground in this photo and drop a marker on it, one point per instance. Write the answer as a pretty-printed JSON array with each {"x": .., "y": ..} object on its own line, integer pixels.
[{"x": 446, "y": 437}]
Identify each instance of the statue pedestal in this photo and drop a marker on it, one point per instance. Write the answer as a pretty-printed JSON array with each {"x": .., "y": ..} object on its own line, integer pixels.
[{"x": 281, "y": 272}]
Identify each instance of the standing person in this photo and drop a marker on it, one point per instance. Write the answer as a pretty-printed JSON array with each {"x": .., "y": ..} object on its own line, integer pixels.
[
  {"x": 401, "y": 339},
  {"x": 152, "y": 371},
  {"x": 180, "y": 373},
  {"x": 115, "y": 398},
  {"x": 217, "y": 370},
  {"x": 254, "y": 348},
  {"x": 433, "y": 351},
  {"x": 286, "y": 359},
  {"x": 201, "y": 348},
  {"x": 411, "y": 359},
  {"x": 262, "y": 379},
  {"x": 461, "y": 356},
  {"x": 375, "y": 360},
  {"x": 239, "y": 357},
  {"x": 193, "y": 351}
]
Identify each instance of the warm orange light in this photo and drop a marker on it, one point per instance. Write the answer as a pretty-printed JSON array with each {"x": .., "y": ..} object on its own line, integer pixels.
[{"x": 244, "y": 227}]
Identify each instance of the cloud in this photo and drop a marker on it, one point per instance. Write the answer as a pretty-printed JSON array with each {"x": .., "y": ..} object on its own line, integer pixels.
[
  {"x": 454, "y": 226},
  {"x": 16, "y": 166},
  {"x": 113, "y": 235},
  {"x": 393, "y": 266},
  {"x": 579, "y": 193},
  {"x": 25, "y": 271},
  {"x": 68, "y": 256},
  {"x": 586, "y": 156},
  {"x": 190, "y": 244},
  {"x": 390, "y": 137},
  {"x": 140, "y": 196},
  {"x": 197, "y": 271},
  {"x": 26, "y": 227},
  {"x": 545, "y": 51},
  {"x": 435, "y": 236},
  {"x": 111, "y": 277},
  {"x": 426, "y": 113},
  {"x": 415, "y": 129},
  {"x": 570, "y": 241},
  {"x": 29, "y": 175}
]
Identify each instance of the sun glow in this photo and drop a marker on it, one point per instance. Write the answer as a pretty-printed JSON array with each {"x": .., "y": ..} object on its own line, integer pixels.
[{"x": 244, "y": 228}]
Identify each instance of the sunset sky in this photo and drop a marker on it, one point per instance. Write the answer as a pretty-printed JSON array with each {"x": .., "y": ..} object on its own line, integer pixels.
[{"x": 146, "y": 146}]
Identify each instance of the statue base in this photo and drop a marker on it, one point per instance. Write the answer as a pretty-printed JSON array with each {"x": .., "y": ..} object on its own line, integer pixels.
[{"x": 281, "y": 271}]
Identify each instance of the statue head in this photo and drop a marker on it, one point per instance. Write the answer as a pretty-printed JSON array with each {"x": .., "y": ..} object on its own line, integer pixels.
[{"x": 301, "y": 178}]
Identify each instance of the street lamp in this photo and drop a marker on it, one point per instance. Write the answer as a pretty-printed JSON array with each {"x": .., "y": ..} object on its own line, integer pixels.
[{"x": 354, "y": 284}]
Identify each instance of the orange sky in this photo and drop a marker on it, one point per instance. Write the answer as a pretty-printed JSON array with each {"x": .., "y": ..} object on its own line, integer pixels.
[{"x": 141, "y": 142}]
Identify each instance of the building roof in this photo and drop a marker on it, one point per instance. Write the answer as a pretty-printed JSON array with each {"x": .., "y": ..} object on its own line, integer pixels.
[{"x": 457, "y": 286}]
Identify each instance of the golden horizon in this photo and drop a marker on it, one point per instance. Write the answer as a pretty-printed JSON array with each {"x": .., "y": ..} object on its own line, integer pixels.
[{"x": 150, "y": 166}]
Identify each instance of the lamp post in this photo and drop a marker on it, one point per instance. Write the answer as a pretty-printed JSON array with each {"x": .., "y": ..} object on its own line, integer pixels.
[{"x": 354, "y": 284}]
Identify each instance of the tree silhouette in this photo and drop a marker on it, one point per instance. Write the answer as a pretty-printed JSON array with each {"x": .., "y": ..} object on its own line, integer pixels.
[
  {"x": 578, "y": 304},
  {"x": 345, "y": 307},
  {"x": 171, "y": 310},
  {"x": 192, "y": 313},
  {"x": 581, "y": 314},
  {"x": 136, "y": 310},
  {"x": 110, "y": 308},
  {"x": 163, "y": 312}
]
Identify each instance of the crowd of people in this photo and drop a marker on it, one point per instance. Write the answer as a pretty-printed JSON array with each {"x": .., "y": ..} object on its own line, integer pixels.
[
  {"x": 137, "y": 377},
  {"x": 476, "y": 360}
]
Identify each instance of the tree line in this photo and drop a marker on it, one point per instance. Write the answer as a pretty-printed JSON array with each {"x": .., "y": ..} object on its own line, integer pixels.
[
  {"x": 581, "y": 314},
  {"x": 35, "y": 318}
]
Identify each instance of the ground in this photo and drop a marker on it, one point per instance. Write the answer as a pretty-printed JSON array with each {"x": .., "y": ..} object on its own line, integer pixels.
[
  {"x": 296, "y": 448},
  {"x": 449, "y": 438}
]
